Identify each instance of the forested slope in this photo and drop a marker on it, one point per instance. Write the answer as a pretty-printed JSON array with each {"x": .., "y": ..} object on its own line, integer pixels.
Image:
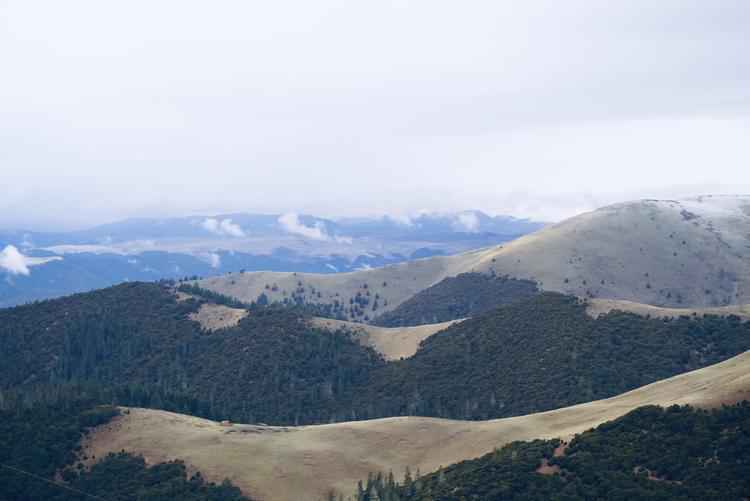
[
  {"x": 542, "y": 353},
  {"x": 136, "y": 344},
  {"x": 651, "y": 453},
  {"x": 136, "y": 341}
]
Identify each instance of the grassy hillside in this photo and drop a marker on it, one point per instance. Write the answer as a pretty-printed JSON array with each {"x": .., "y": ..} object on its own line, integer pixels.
[
  {"x": 358, "y": 296},
  {"x": 462, "y": 296},
  {"x": 598, "y": 307},
  {"x": 650, "y": 453},
  {"x": 290, "y": 463},
  {"x": 137, "y": 342},
  {"x": 393, "y": 343},
  {"x": 675, "y": 253}
]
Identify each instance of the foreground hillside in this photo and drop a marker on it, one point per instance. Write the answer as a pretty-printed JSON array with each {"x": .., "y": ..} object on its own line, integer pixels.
[
  {"x": 40, "y": 435},
  {"x": 290, "y": 463},
  {"x": 651, "y": 453},
  {"x": 143, "y": 345},
  {"x": 689, "y": 253}
]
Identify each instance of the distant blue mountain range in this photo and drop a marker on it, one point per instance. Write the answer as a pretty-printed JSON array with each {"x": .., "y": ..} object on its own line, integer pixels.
[{"x": 38, "y": 265}]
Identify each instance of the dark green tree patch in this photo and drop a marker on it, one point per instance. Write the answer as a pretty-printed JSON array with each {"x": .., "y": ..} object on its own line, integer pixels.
[{"x": 462, "y": 296}]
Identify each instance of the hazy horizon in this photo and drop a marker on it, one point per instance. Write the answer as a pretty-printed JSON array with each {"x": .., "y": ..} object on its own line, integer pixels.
[{"x": 406, "y": 218}]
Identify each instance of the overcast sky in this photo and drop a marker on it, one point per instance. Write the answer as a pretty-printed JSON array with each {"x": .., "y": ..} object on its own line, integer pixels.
[{"x": 534, "y": 108}]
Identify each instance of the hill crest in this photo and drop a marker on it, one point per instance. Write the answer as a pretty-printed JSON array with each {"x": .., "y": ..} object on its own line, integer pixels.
[{"x": 692, "y": 253}]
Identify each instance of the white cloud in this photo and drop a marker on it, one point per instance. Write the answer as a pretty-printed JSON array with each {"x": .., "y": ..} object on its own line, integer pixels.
[
  {"x": 214, "y": 260},
  {"x": 211, "y": 225},
  {"x": 224, "y": 228},
  {"x": 13, "y": 261},
  {"x": 467, "y": 221},
  {"x": 291, "y": 224},
  {"x": 16, "y": 263}
]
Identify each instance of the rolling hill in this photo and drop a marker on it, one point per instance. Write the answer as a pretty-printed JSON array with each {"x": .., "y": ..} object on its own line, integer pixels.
[
  {"x": 289, "y": 463},
  {"x": 144, "y": 344},
  {"x": 690, "y": 253},
  {"x": 680, "y": 254},
  {"x": 649, "y": 295},
  {"x": 598, "y": 307}
]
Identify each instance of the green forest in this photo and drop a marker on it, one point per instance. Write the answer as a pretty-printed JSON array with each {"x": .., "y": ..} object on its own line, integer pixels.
[
  {"x": 541, "y": 353},
  {"x": 678, "y": 453},
  {"x": 40, "y": 456},
  {"x": 135, "y": 345}
]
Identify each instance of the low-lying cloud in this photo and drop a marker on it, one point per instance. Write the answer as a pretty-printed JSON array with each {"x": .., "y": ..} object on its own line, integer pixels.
[
  {"x": 15, "y": 262},
  {"x": 12, "y": 261},
  {"x": 223, "y": 228},
  {"x": 466, "y": 221},
  {"x": 291, "y": 224},
  {"x": 214, "y": 260}
]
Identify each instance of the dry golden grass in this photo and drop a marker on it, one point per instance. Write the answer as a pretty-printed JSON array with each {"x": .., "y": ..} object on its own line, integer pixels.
[
  {"x": 291, "y": 463},
  {"x": 391, "y": 342},
  {"x": 598, "y": 307},
  {"x": 393, "y": 284},
  {"x": 216, "y": 316}
]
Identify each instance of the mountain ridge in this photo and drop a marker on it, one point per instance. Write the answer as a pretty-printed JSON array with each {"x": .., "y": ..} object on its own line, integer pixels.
[
  {"x": 666, "y": 253},
  {"x": 39, "y": 265}
]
